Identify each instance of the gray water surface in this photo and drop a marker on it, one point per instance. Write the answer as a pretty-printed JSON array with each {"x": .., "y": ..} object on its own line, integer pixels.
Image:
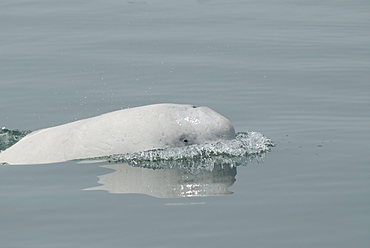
[{"x": 295, "y": 71}]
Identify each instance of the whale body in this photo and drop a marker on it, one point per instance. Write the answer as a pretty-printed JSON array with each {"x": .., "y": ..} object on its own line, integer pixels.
[{"x": 124, "y": 131}]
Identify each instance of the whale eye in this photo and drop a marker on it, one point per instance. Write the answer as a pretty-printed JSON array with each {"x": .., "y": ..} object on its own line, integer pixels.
[
  {"x": 194, "y": 106},
  {"x": 184, "y": 140}
]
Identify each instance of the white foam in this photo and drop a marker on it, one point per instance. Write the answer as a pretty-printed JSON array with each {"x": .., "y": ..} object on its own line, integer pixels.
[{"x": 245, "y": 147}]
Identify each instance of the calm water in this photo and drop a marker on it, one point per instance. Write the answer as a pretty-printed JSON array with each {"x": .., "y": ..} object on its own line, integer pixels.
[{"x": 295, "y": 71}]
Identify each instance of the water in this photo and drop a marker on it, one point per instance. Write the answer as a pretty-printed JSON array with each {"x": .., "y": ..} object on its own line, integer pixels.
[
  {"x": 295, "y": 71},
  {"x": 10, "y": 137}
]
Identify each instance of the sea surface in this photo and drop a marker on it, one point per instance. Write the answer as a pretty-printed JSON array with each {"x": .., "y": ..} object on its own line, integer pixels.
[{"x": 297, "y": 72}]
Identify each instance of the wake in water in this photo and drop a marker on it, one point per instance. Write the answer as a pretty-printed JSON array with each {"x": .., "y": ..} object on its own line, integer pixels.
[
  {"x": 191, "y": 171},
  {"x": 10, "y": 137},
  {"x": 247, "y": 146}
]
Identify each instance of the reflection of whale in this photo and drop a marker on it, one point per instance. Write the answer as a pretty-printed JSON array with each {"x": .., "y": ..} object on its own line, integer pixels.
[{"x": 167, "y": 183}]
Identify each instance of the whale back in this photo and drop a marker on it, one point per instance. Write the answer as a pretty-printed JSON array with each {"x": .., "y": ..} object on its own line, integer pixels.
[{"x": 123, "y": 131}]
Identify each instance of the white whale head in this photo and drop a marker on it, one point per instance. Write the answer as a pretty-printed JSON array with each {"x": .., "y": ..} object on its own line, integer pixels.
[
  {"x": 123, "y": 131},
  {"x": 183, "y": 125}
]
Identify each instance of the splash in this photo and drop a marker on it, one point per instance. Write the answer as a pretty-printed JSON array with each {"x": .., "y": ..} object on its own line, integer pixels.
[
  {"x": 10, "y": 137},
  {"x": 192, "y": 171},
  {"x": 247, "y": 146}
]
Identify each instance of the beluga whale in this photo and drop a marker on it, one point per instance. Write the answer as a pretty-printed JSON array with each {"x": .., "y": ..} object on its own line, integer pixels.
[{"x": 123, "y": 131}]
